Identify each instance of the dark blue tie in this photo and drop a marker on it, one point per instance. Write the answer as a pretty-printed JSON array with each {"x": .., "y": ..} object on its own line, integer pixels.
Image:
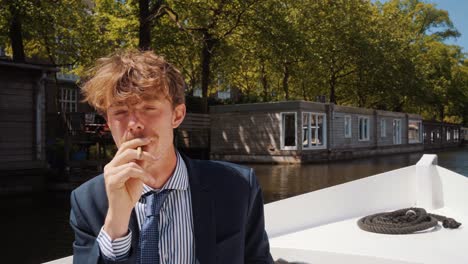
[{"x": 149, "y": 235}]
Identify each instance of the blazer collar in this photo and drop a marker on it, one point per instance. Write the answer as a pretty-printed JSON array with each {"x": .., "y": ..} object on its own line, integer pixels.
[{"x": 203, "y": 213}]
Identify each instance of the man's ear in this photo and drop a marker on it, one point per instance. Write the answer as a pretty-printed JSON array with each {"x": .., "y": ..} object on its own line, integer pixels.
[
  {"x": 104, "y": 115},
  {"x": 179, "y": 115}
]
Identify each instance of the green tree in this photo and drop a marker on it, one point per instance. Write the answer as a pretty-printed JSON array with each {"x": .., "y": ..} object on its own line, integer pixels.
[
  {"x": 55, "y": 32},
  {"x": 210, "y": 23}
]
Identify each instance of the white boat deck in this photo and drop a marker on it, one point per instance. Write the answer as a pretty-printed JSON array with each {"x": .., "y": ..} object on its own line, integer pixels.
[
  {"x": 345, "y": 238},
  {"x": 323, "y": 224}
]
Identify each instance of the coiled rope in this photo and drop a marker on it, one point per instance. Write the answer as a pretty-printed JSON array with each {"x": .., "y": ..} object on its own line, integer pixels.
[{"x": 404, "y": 221}]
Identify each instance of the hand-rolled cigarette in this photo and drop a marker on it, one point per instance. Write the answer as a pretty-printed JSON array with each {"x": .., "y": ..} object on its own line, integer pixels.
[{"x": 139, "y": 152}]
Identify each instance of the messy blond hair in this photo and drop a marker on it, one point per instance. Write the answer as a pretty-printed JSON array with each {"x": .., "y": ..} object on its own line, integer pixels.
[{"x": 131, "y": 76}]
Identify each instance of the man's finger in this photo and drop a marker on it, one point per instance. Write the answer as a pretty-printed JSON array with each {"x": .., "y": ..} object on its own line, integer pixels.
[
  {"x": 133, "y": 144},
  {"x": 119, "y": 179},
  {"x": 130, "y": 155},
  {"x": 110, "y": 170}
]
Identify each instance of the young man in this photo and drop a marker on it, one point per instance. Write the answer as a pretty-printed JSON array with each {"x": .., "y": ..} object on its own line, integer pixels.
[{"x": 152, "y": 204}]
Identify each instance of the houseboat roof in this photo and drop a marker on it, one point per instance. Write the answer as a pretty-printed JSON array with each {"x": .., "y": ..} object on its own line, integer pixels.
[
  {"x": 304, "y": 105},
  {"x": 28, "y": 66}
]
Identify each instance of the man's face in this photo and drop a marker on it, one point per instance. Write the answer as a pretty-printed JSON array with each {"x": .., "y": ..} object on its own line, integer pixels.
[{"x": 154, "y": 119}]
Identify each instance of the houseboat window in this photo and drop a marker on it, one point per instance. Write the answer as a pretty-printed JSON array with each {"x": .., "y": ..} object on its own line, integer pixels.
[
  {"x": 69, "y": 100},
  {"x": 456, "y": 135},
  {"x": 383, "y": 128},
  {"x": 288, "y": 130},
  {"x": 414, "y": 131},
  {"x": 314, "y": 124},
  {"x": 319, "y": 132},
  {"x": 305, "y": 130},
  {"x": 448, "y": 134},
  {"x": 433, "y": 135},
  {"x": 363, "y": 128},
  {"x": 397, "y": 131},
  {"x": 347, "y": 126}
]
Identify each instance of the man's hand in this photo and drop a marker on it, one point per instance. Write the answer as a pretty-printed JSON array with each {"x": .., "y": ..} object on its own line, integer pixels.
[{"x": 124, "y": 180}]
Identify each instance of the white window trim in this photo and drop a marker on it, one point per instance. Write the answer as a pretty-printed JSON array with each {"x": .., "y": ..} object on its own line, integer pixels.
[
  {"x": 367, "y": 128},
  {"x": 397, "y": 142},
  {"x": 420, "y": 132},
  {"x": 350, "y": 135},
  {"x": 324, "y": 131},
  {"x": 383, "y": 130},
  {"x": 69, "y": 105},
  {"x": 283, "y": 147}
]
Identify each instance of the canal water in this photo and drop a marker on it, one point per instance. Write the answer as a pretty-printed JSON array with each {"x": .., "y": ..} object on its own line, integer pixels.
[
  {"x": 36, "y": 228},
  {"x": 283, "y": 181}
]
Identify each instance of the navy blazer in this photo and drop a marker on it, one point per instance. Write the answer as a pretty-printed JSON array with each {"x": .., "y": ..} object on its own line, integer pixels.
[{"x": 227, "y": 208}]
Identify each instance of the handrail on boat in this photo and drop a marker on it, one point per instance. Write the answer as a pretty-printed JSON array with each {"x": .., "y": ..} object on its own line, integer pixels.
[{"x": 428, "y": 183}]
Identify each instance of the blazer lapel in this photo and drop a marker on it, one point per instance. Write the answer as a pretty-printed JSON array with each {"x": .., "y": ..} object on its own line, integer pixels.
[{"x": 203, "y": 215}]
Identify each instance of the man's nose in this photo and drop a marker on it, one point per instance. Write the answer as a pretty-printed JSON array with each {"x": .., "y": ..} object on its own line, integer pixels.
[{"x": 134, "y": 122}]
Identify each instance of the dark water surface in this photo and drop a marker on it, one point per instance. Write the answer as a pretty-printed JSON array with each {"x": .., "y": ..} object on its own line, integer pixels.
[
  {"x": 35, "y": 227},
  {"x": 283, "y": 181}
]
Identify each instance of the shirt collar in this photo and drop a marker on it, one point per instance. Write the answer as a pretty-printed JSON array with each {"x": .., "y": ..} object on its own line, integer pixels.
[{"x": 177, "y": 181}]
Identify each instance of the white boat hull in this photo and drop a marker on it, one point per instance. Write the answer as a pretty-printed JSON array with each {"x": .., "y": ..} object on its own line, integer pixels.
[{"x": 320, "y": 227}]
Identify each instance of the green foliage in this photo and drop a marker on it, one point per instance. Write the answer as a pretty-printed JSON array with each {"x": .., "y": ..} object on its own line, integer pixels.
[{"x": 389, "y": 55}]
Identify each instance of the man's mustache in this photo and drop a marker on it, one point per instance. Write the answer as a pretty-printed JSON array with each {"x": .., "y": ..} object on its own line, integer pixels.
[{"x": 129, "y": 136}]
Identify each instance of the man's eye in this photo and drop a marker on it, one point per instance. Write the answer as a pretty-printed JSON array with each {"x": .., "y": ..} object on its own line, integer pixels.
[
  {"x": 120, "y": 112},
  {"x": 150, "y": 108}
]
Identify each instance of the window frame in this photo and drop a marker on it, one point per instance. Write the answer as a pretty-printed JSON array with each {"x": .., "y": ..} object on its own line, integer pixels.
[
  {"x": 397, "y": 141},
  {"x": 282, "y": 131},
  {"x": 383, "y": 129},
  {"x": 456, "y": 135},
  {"x": 419, "y": 132},
  {"x": 324, "y": 131},
  {"x": 350, "y": 124},
  {"x": 367, "y": 138},
  {"x": 69, "y": 100}
]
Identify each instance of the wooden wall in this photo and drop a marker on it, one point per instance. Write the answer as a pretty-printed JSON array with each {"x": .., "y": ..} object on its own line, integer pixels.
[
  {"x": 18, "y": 118},
  {"x": 193, "y": 135}
]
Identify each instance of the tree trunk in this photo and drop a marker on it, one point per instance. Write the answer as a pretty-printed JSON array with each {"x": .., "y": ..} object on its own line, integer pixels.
[
  {"x": 286, "y": 81},
  {"x": 145, "y": 28},
  {"x": 361, "y": 95},
  {"x": 441, "y": 113},
  {"x": 264, "y": 81},
  {"x": 16, "y": 35},
  {"x": 398, "y": 107},
  {"x": 304, "y": 92},
  {"x": 192, "y": 84},
  {"x": 332, "y": 89},
  {"x": 207, "y": 53}
]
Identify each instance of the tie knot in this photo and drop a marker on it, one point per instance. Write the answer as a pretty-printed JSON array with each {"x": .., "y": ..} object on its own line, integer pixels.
[{"x": 154, "y": 202}]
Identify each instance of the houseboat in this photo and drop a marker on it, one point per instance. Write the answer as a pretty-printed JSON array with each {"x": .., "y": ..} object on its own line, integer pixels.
[{"x": 301, "y": 131}]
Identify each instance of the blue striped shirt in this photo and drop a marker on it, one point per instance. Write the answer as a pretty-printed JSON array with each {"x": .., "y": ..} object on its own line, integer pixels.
[{"x": 176, "y": 242}]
